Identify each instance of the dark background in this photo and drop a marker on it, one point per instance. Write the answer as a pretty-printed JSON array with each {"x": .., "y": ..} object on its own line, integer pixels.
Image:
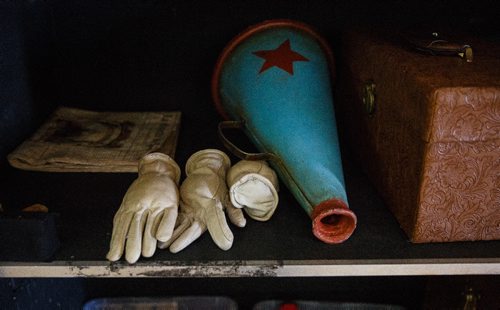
[
  {"x": 136, "y": 55},
  {"x": 159, "y": 55}
]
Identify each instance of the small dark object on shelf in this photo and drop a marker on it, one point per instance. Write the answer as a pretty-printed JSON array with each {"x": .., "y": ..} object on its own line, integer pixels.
[{"x": 28, "y": 236}]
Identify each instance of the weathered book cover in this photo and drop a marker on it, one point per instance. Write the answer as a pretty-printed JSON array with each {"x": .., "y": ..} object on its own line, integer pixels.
[{"x": 75, "y": 140}]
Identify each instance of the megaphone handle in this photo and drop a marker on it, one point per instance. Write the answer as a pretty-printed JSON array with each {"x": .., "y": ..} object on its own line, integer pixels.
[
  {"x": 236, "y": 150},
  {"x": 262, "y": 156}
]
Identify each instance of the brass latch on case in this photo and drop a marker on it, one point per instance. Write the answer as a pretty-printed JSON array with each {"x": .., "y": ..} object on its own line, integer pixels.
[
  {"x": 471, "y": 299},
  {"x": 369, "y": 97},
  {"x": 466, "y": 53}
]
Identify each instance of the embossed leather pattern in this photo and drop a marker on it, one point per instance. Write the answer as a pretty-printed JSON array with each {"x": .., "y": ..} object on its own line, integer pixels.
[
  {"x": 432, "y": 147},
  {"x": 460, "y": 192},
  {"x": 466, "y": 114}
]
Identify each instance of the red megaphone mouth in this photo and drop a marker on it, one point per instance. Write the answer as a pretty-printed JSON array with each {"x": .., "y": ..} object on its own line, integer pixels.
[{"x": 333, "y": 222}]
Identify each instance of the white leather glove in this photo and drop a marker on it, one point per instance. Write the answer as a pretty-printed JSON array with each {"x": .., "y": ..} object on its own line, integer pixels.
[
  {"x": 203, "y": 202},
  {"x": 148, "y": 211},
  {"x": 253, "y": 186}
]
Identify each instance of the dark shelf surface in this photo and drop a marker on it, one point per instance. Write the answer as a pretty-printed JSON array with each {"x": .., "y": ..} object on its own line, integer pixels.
[{"x": 86, "y": 203}]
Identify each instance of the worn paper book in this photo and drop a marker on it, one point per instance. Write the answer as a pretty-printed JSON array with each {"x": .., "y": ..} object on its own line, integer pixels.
[{"x": 75, "y": 140}]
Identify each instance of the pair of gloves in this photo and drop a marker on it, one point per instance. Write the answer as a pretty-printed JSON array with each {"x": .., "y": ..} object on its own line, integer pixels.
[{"x": 150, "y": 217}]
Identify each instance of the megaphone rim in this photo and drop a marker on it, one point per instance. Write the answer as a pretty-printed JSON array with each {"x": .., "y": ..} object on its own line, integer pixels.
[
  {"x": 236, "y": 41},
  {"x": 338, "y": 210}
]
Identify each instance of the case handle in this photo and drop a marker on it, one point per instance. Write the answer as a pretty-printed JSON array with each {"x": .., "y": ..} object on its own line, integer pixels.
[{"x": 435, "y": 45}]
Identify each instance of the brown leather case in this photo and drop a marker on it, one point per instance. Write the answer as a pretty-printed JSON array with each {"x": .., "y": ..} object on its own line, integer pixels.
[{"x": 426, "y": 129}]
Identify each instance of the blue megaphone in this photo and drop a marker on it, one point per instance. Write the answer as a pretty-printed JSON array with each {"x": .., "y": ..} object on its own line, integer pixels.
[{"x": 274, "y": 82}]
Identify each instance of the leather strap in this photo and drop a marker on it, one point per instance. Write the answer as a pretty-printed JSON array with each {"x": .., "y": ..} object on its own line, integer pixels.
[{"x": 236, "y": 150}]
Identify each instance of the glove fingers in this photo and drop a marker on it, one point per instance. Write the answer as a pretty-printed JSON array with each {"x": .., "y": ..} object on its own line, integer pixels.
[
  {"x": 148, "y": 239},
  {"x": 236, "y": 216},
  {"x": 134, "y": 237},
  {"x": 181, "y": 224},
  {"x": 188, "y": 236},
  {"x": 167, "y": 225},
  {"x": 121, "y": 224},
  {"x": 217, "y": 226}
]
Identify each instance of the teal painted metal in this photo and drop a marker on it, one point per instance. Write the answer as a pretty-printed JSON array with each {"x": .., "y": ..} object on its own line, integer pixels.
[{"x": 275, "y": 77}]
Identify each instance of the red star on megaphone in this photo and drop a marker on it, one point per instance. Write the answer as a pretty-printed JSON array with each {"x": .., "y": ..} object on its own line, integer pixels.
[{"x": 282, "y": 57}]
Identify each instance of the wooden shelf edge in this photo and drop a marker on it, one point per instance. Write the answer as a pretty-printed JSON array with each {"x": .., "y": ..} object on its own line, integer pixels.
[{"x": 335, "y": 268}]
